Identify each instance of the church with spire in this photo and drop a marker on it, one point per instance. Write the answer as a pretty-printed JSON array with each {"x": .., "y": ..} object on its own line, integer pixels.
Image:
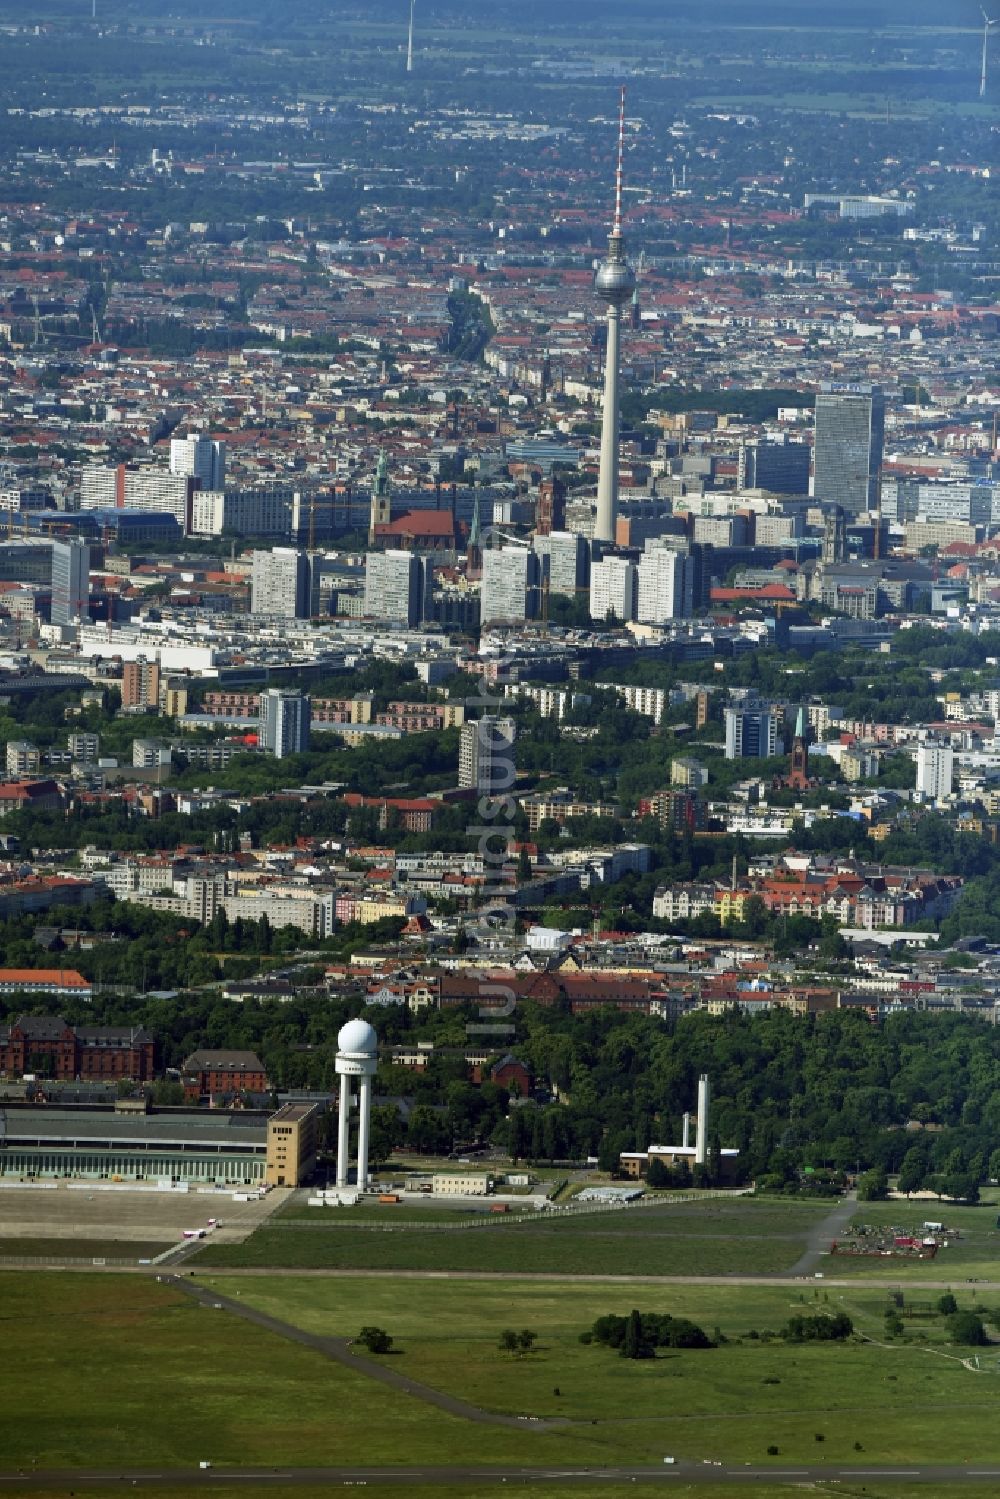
[
  {"x": 798, "y": 778},
  {"x": 414, "y": 530},
  {"x": 381, "y": 508}
]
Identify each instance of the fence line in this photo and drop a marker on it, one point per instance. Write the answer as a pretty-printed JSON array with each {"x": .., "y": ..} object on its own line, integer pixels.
[
  {"x": 493, "y": 1220},
  {"x": 58, "y": 1259}
]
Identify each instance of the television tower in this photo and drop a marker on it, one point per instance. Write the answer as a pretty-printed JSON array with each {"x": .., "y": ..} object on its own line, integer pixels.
[
  {"x": 614, "y": 284},
  {"x": 987, "y": 23},
  {"x": 409, "y": 44}
]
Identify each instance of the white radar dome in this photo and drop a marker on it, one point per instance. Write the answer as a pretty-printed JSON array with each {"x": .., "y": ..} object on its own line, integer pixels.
[{"x": 357, "y": 1037}]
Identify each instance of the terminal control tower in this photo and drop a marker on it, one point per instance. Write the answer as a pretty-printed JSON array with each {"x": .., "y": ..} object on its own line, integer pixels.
[{"x": 614, "y": 284}]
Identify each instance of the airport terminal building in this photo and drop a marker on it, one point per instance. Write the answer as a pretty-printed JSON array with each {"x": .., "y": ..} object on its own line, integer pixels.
[{"x": 211, "y": 1147}]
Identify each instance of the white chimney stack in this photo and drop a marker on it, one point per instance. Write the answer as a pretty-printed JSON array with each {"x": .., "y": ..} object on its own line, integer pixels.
[
  {"x": 686, "y": 1136},
  {"x": 701, "y": 1139}
]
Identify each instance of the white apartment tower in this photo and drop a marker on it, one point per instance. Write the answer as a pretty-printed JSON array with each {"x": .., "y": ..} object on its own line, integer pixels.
[
  {"x": 284, "y": 722},
  {"x": 509, "y": 588},
  {"x": 935, "y": 770},
  {"x": 751, "y": 735},
  {"x": 281, "y": 584},
  {"x": 393, "y": 587},
  {"x": 568, "y": 556},
  {"x": 199, "y": 457},
  {"x": 486, "y": 755},
  {"x": 613, "y": 588},
  {"x": 70, "y": 582},
  {"x": 666, "y": 586}
]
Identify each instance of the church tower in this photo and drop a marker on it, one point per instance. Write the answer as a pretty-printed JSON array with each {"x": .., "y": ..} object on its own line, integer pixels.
[
  {"x": 798, "y": 774},
  {"x": 381, "y": 508}
]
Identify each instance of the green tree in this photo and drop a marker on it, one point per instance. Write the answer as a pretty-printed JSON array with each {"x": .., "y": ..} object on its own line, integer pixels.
[
  {"x": 168, "y": 1094},
  {"x": 427, "y": 1131},
  {"x": 966, "y": 1328},
  {"x": 518, "y": 1135},
  {"x": 386, "y": 1132},
  {"x": 635, "y": 1345},
  {"x": 375, "y": 1339},
  {"x": 658, "y": 1175},
  {"x": 873, "y": 1186},
  {"x": 962, "y": 1186},
  {"x": 912, "y": 1172},
  {"x": 893, "y": 1323},
  {"x": 611, "y": 1148}
]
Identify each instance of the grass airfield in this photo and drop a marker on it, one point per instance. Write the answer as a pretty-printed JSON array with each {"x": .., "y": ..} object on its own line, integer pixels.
[
  {"x": 123, "y": 1368},
  {"x": 678, "y": 1490},
  {"x": 109, "y": 1364},
  {"x": 698, "y": 1236}
]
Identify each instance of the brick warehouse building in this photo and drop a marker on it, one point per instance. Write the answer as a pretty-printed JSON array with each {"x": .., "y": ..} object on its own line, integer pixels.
[
  {"x": 207, "y": 1074},
  {"x": 49, "y": 1047}
]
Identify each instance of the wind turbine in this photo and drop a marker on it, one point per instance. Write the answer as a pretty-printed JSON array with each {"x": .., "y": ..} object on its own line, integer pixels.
[{"x": 987, "y": 23}]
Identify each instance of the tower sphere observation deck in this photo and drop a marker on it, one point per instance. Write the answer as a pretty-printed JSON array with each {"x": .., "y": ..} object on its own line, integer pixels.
[{"x": 615, "y": 281}]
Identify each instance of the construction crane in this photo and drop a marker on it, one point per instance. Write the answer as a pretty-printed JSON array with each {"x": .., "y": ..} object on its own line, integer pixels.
[{"x": 317, "y": 501}]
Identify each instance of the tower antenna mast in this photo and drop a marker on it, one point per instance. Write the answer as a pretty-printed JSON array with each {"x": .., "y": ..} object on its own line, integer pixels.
[
  {"x": 409, "y": 44},
  {"x": 987, "y": 23},
  {"x": 616, "y": 229}
]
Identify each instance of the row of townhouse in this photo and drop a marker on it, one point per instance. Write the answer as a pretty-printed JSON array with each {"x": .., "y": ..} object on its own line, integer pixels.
[
  {"x": 315, "y": 912},
  {"x": 880, "y": 899},
  {"x": 323, "y": 709}
]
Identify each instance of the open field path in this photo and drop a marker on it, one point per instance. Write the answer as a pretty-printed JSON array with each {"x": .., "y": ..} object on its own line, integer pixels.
[
  {"x": 341, "y": 1351},
  {"x": 554, "y": 1277},
  {"x": 822, "y": 1234}
]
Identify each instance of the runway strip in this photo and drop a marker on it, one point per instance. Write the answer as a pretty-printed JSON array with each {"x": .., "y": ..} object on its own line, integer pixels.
[{"x": 67, "y": 1480}]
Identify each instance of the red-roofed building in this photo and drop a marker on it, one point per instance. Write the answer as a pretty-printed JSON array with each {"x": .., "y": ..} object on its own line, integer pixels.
[
  {"x": 17, "y": 796},
  {"x": 418, "y": 530},
  {"x": 770, "y": 593},
  {"x": 39, "y": 894},
  {"x": 47, "y": 1046},
  {"x": 44, "y": 981},
  {"x": 416, "y": 814}
]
